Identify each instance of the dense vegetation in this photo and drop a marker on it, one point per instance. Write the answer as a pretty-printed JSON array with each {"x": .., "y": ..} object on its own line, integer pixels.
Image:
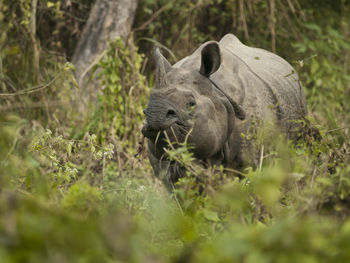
[{"x": 75, "y": 182}]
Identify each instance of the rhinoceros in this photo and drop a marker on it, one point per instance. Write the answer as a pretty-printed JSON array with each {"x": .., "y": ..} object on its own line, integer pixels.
[{"x": 211, "y": 97}]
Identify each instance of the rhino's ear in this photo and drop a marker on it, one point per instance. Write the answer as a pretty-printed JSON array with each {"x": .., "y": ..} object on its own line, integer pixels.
[
  {"x": 211, "y": 59},
  {"x": 163, "y": 67}
]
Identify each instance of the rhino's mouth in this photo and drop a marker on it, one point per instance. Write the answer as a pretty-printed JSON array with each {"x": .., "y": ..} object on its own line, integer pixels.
[
  {"x": 151, "y": 134},
  {"x": 175, "y": 132}
]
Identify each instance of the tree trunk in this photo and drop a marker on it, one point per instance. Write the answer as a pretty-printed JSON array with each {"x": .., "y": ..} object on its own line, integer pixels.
[{"x": 108, "y": 20}]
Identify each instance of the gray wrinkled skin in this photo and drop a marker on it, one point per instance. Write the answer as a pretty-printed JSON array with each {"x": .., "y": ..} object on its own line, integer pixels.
[{"x": 184, "y": 102}]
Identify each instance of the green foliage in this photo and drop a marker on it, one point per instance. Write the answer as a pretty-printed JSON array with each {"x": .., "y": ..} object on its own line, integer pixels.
[
  {"x": 75, "y": 188},
  {"x": 183, "y": 25},
  {"x": 83, "y": 198},
  {"x": 123, "y": 97},
  {"x": 64, "y": 159},
  {"x": 327, "y": 71}
]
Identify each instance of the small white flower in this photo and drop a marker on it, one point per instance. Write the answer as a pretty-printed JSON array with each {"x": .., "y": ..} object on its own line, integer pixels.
[{"x": 141, "y": 188}]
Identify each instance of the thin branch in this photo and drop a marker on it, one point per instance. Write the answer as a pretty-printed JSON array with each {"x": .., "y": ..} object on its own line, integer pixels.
[
  {"x": 243, "y": 20},
  {"x": 169, "y": 142},
  {"x": 32, "y": 32},
  {"x": 154, "y": 16},
  {"x": 176, "y": 200},
  {"x": 337, "y": 129},
  {"x": 91, "y": 65},
  {"x": 294, "y": 11},
  {"x": 32, "y": 90},
  {"x": 14, "y": 106},
  {"x": 234, "y": 14},
  {"x": 272, "y": 25},
  {"x": 300, "y": 10},
  {"x": 261, "y": 158},
  {"x": 289, "y": 22},
  {"x": 250, "y": 8},
  {"x": 234, "y": 171},
  {"x": 291, "y": 6}
]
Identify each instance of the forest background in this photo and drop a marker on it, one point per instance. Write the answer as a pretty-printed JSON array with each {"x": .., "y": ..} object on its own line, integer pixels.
[{"x": 75, "y": 182}]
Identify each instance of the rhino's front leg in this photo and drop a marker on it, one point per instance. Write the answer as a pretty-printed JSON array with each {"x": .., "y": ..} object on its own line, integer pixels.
[{"x": 167, "y": 171}]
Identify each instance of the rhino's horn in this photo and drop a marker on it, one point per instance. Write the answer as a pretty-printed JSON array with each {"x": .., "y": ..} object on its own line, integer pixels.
[
  {"x": 211, "y": 59},
  {"x": 163, "y": 67}
]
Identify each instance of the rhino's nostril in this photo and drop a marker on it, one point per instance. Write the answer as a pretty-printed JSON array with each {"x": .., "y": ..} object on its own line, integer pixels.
[{"x": 171, "y": 114}]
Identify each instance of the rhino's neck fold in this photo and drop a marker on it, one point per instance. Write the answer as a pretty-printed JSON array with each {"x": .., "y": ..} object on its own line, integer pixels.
[{"x": 239, "y": 112}]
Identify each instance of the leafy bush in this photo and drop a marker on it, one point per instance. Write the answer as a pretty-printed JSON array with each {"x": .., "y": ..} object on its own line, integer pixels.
[{"x": 123, "y": 96}]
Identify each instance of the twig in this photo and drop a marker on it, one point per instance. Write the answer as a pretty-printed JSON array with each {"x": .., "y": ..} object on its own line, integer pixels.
[
  {"x": 337, "y": 129},
  {"x": 170, "y": 144},
  {"x": 32, "y": 90},
  {"x": 290, "y": 24},
  {"x": 13, "y": 106},
  {"x": 272, "y": 25},
  {"x": 261, "y": 157},
  {"x": 103, "y": 166},
  {"x": 160, "y": 45},
  {"x": 250, "y": 8},
  {"x": 302, "y": 14},
  {"x": 91, "y": 65},
  {"x": 172, "y": 130},
  {"x": 234, "y": 14},
  {"x": 32, "y": 32},
  {"x": 291, "y": 6},
  {"x": 74, "y": 17},
  {"x": 244, "y": 23},
  {"x": 235, "y": 171},
  {"x": 188, "y": 134},
  {"x": 154, "y": 16},
  {"x": 176, "y": 200},
  {"x": 312, "y": 177}
]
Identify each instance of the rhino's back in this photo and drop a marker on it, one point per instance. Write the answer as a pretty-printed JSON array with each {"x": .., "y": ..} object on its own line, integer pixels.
[
  {"x": 277, "y": 74},
  {"x": 256, "y": 78}
]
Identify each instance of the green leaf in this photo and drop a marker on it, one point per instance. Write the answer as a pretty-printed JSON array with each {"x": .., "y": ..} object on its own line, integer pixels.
[
  {"x": 50, "y": 4},
  {"x": 313, "y": 27},
  {"x": 69, "y": 149},
  {"x": 314, "y": 67},
  {"x": 211, "y": 215}
]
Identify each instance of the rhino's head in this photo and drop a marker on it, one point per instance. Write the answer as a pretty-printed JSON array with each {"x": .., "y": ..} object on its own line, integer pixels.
[{"x": 185, "y": 104}]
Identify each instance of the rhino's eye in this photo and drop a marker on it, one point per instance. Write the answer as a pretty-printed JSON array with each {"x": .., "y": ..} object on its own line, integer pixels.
[
  {"x": 191, "y": 106},
  {"x": 192, "y": 103}
]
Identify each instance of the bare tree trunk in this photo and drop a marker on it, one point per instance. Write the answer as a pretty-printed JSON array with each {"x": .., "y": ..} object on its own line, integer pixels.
[{"x": 108, "y": 20}]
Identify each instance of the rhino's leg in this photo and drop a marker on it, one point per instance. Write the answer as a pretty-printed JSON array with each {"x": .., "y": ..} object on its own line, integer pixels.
[{"x": 166, "y": 171}]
